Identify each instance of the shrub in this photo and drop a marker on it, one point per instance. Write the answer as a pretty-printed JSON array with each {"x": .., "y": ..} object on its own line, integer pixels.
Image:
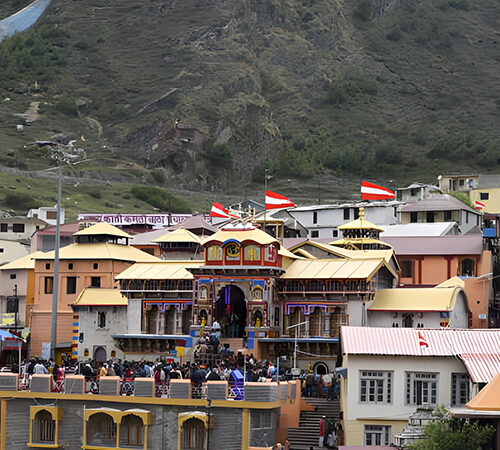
[
  {"x": 219, "y": 155},
  {"x": 20, "y": 201},
  {"x": 67, "y": 106},
  {"x": 363, "y": 10}
]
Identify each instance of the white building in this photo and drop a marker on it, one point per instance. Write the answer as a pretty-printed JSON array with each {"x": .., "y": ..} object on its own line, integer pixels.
[
  {"x": 101, "y": 314},
  {"x": 415, "y": 192},
  {"x": 419, "y": 308},
  {"x": 47, "y": 214},
  {"x": 322, "y": 221},
  {"x": 20, "y": 228},
  {"x": 389, "y": 372}
]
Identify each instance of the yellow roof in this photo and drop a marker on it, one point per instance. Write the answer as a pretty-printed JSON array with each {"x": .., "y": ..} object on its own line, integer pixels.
[
  {"x": 164, "y": 270},
  {"x": 100, "y": 297},
  {"x": 25, "y": 262},
  {"x": 453, "y": 282},
  {"x": 102, "y": 228},
  {"x": 358, "y": 241},
  {"x": 179, "y": 235},
  {"x": 333, "y": 269},
  {"x": 419, "y": 299},
  {"x": 488, "y": 398},
  {"x": 360, "y": 224},
  {"x": 241, "y": 235},
  {"x": 306, "y": 254},
  {"x": 288, "y": 254},
  {"x": 101, "y": 250}
]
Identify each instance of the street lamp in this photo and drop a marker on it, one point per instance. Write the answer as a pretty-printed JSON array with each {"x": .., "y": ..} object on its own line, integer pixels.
[{"x": 63, "y": 155}]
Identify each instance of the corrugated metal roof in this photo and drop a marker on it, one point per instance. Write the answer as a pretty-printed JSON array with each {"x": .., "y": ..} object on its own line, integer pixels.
[
  {"x": 25, "y": 262},
  {"x": 102, "y": 250},
  {"x": 241, "y": 235},
  {"x": 418, "y": 229},
  {"x": 437, "y": 202},
  {"x": 436, "y": 245},
  {"x": 479, "y": 349},
  {"x": 159, "y": 271},
  {"x": 420, "y": 299},
  {"x": 102, "y": 228},
  {"x": 333, "y": 269},
  {"x": 101, "y": 297}
]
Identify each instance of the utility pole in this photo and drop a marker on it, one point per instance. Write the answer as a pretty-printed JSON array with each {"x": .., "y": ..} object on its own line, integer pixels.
[
  {"x": 55, "y": 291},
  {"x": 295, "y": 346},
  {"x": 265, "y": 194}
]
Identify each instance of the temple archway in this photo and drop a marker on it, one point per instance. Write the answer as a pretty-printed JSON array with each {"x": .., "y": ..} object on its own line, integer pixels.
[{"x": 231, "y": 311}]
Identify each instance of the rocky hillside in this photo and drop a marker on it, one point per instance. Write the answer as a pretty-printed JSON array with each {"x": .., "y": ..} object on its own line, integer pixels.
[{"x": 203, "y": 94}]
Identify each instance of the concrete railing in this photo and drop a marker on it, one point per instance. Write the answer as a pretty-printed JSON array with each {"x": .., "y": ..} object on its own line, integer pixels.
[{"x": 146, "y": 387}]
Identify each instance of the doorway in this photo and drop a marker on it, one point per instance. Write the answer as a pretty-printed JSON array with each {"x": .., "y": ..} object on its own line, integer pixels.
[{"x": 231, "y": 312}]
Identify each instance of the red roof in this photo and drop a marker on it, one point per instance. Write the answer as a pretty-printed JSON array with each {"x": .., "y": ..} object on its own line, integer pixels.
[{"x": 478, "y": 349}]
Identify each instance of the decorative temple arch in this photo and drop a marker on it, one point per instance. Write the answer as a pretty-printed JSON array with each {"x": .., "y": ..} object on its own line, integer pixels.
[{"x": 198, "y": 423}]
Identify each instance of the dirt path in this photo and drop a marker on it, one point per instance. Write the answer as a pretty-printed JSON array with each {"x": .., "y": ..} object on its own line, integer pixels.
[{"x": 31, "y": 114}]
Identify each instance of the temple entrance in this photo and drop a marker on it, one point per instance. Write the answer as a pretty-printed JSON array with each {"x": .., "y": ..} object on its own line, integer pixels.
[{"x": 231, "y": 312}]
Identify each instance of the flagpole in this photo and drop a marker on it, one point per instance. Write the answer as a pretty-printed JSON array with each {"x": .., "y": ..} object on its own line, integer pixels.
[{"x": 265, "y": 191}]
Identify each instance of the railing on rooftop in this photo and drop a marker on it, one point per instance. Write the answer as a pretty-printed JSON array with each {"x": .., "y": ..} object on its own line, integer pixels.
[{"x": 147, "y": 387}]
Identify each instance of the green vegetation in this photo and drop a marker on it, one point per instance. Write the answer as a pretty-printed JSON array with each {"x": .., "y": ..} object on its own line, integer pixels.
[
  {"x": 462, "y": 197},
  {"x": 161, "y": 199},
  {"x": 20, "y": 201},
  {"x": 310, "y": 89},
  {"x": 450, "y": 433}
]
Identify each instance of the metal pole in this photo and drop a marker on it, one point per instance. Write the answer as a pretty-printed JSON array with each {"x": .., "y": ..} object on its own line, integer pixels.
[
  {"x": 295, "y": 349},
  {"x": 55, "y": 293},
  {"x": 265, "y": 193}
]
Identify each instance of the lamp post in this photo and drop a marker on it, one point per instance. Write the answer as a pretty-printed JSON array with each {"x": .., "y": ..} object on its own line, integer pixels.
[{"x": 63, "y": 154}]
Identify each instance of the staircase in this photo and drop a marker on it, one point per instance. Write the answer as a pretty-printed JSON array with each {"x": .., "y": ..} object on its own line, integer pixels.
[{"x": 306, "y": 436}]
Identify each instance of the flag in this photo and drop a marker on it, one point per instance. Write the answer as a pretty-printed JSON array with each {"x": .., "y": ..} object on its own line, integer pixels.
[
  {"x": 479, "y": 205},
  {"x": 219, "y": 211},
  {"x": 370, "y": 191},
  {"x": 276, "y": 201}
]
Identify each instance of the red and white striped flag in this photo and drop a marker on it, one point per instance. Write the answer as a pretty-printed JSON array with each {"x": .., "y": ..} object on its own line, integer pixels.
[
  {"x": 480, "y": 205},
  {"x": 370, "y": 191},
  {"x": 276, "y": 201},
  {"x": 219, "y": 211}
]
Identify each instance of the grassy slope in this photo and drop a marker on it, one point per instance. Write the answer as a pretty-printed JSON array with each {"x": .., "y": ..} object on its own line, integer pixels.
[{"x": 435, "y": 65}]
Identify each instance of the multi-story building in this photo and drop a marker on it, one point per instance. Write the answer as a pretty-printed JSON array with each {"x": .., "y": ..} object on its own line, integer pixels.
[
  {"x": 99, "y": 254},
  {"x": 389, "y": 372},
  {"x": 416, "y": 192}
]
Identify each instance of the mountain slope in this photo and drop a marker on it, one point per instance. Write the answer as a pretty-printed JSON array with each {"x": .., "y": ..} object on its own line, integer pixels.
[{"x": 384, "y": 89}]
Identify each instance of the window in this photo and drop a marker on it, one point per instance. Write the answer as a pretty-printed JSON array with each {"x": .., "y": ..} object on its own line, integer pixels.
[
  {"x": 459, "y": 388},
  {"x": 12, "y": 276},
  {"x": 193, "y": 435},
  {"x": 1, "y": 250},
  {"x": 4, "y": 227},
  {"x": 70, "y": 266},
  {"x": 447, "y": 216},
  {"x": 315, "y": 217},
  {"x": 335, "y": 233},
  {"x": 12, "y": 305},
  {"x": 421, "y": 388},
  {"x": 132, "y": 431},
  {"x": 44, "y": 422},
  {"x": 375, "y": 387},
  {"x": 466, "y": 216},
  {"x": 252, "y": 253},
  {"x": 461, "y": 183},
  {"x": 314, "y": 233},
  {"x": 347, "y": 213},
  {"x": 356, "y": 213},
  {"x": 430, "y": 216},
  {"x": 95, "y": 282},
  {"x": 484, "y": 196},
  {"x": 51, "y": 215},
  {"x": 101, "y": 319},
  {"x": 71, "y": 285},
  {"x": 406, "y": 269},
  {"x": 47, "y": 266},
  {"x": 467, "y": 267},
  {"x": 413, "y": 216},
  {"x": 377, "y": 435},
  {"x": 101, "y": 430},
  {"x": 413, "y": 192},
  {"x": 95, "y": 266},
  {"x": 49, "y": 285},
  {"x": 18, "y": 227}
]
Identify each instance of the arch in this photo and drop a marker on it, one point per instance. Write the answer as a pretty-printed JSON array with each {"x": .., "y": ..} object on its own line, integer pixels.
[
  {"x": 100, "y": 354},
  {"x": 257, "y": 318},
  {"x": 257, "y": 293},
  {"x": 408, "y": 321},
  {"x": 231, "y": 311},
  {"x": 193, "y": 434},
  {"x": 43, "y": 427},
  {"x": 101, "y": 430},
  {"x": 320, "y": 368},
  {"x": 132, "y": 431}
]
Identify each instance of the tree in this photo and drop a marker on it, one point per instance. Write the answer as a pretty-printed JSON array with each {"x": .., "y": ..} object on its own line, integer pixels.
[{"x": 450, "y": 433}]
